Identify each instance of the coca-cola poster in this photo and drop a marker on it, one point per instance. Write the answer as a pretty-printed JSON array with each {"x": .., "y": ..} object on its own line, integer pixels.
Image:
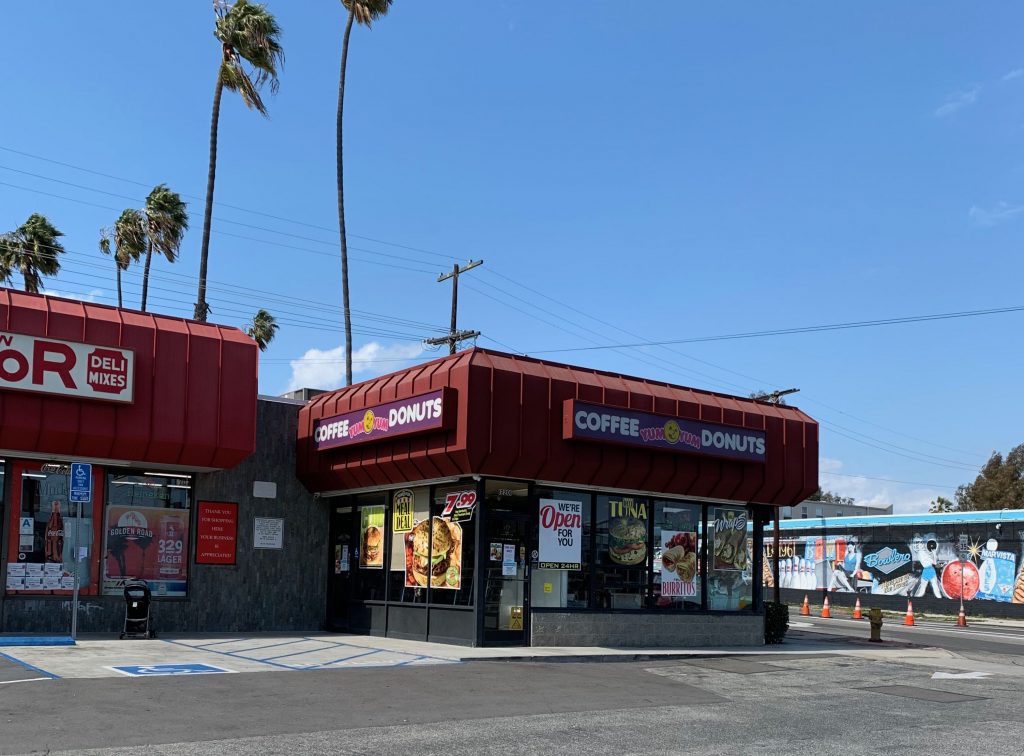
[{"x": 148, "y": 543}]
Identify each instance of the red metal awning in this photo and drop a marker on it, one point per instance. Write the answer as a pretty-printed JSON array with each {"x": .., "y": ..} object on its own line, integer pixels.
[
  {"x": 509, "y": 422},
  {"x": 195, "y": 386}
]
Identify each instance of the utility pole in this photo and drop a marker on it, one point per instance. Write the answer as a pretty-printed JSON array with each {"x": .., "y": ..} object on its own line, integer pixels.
[{"x": 455, "y": 336}]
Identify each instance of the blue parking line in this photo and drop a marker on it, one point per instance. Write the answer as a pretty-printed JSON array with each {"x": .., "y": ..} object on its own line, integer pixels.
[
  {"x": 215, "y": 643},
  {"x": 272, "y": 645},
  {"x": 230, "y": 654},
  {"x": 29, "y": 667},
  {"x": 299, "y": 653},
  {"x": 347, "y": 658}
]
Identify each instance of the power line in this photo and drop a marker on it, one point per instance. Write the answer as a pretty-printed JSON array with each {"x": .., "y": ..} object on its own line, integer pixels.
[{"x": 889, "y": 480}]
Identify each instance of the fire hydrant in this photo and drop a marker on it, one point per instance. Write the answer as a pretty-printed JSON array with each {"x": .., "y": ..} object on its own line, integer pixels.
[{"x": 875, "y": 618}]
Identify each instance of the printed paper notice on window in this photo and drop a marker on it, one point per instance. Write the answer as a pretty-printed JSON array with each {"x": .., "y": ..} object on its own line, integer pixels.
[{"x": 268, "y": 533}]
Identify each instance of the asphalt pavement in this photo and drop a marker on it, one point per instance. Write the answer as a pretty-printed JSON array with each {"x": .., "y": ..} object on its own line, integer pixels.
[
  {"x": 860, "y": 699},
  {"x": 993, "y": 638}
]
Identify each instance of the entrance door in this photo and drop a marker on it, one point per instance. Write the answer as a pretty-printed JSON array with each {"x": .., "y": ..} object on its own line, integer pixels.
[
  {"x": 342, "y": 561},
  {"x": 507, "y": 597}
]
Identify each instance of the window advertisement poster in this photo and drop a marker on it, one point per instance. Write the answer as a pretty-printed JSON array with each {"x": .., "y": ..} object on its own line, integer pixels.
[
  {"x": 371, "y": 538},
  {"x": 730, "y": 539},
  {"x": 560, "y": 535},
  {"x": 678, "y": 563},
  {"x": 148, "y": 543},
  {"x": 409, "y": 508},
  {"x": 627, "y": 531},
  {"x": 434, "y": 548},
  {"x": 216, "y": 532}
]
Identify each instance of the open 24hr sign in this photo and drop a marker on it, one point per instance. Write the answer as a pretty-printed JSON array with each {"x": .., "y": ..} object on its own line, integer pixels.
[{"x": 560, "y": 535}]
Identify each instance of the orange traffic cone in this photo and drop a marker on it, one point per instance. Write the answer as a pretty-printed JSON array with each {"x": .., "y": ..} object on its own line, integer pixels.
[
  {"x": 805, "y": 610},
  {"x": 856, "y": 610},
  {"x": 961, "y": 620},
  {"x": 909, "y": 619},
  {"x": 825, "y": 613}
]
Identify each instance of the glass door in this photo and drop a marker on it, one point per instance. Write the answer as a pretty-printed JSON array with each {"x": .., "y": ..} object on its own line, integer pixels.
[
  {"x": 507, "y": 597},
  {"x": 342, "y": 557}
]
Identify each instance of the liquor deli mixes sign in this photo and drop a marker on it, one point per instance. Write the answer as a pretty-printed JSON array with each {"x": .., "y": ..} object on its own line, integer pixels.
[
  {"x": 66, "y": 368},
  {"x": 561, "y": 535},
  {"x": 431, "y": 411},
  {"x": 598, "y": 422}
]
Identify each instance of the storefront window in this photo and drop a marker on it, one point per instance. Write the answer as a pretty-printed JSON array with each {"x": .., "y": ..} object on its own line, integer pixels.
[
  {"x": 729, "y": 564},
  {"x": 677, "y": 568},
  {"x": 50, "y": 533},
  {"x": 146, "y": 532},
  {"x": 562, "y": 540},
  {"x": 451, "y": 561},
  {"x": 623, "y": 553},
  {"x": 369, "y": 576}
]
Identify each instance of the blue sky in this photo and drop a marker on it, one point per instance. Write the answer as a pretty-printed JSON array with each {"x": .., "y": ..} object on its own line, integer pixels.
[{"x": 674, "y": 170}]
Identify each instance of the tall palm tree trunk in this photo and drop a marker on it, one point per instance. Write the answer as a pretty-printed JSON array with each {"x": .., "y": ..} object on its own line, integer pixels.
[
  {"x": 120, "y": 303},
  {"x": 211, "y": 177},
  {"x": 341, "y": 201},
  {"x": 145, "y": 275}
]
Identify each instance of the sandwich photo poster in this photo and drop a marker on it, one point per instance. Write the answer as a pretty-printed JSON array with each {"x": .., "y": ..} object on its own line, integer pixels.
[
  {"x": 409, "y": 507},
  {"x": 371, "y": 538},
  {"x": 434, "y": 548}
]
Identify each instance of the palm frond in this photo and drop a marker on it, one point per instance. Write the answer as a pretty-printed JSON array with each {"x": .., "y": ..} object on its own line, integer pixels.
[
  {"x": 129, "y": 237},
  {"x": 250, "y": 33},
  {"x": 367, "y": 11},
  {"x": 32, "y": 249},
  {"x": 262, "y": 329},
  {"x": 166, "y": 221}
]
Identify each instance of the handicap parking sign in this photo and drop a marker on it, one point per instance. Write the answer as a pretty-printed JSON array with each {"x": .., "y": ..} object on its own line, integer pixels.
[
  {"x": 160, "y": 670},
  {"x": 81, "y": 482}
]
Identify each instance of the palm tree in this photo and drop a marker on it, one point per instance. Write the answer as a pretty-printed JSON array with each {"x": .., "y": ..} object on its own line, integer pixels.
[
  {"x": 129, "y": 237},
  {"x": 365, "y": 12},
  {"x": 262, "y": 329},
  {"x": 166, "y": 223},
  {"x": 32, "y": 249},
  {"x": 247, "y": 32}
]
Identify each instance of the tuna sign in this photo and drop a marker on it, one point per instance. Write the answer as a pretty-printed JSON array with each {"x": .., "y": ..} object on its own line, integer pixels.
[{"x": 66, "y": 368}]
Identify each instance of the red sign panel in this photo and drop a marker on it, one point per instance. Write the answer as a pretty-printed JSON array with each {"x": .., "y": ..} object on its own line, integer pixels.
[{"x": 216, "y": 532}]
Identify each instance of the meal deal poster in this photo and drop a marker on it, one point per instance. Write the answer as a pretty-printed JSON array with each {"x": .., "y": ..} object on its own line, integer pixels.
[
  {"x": 371, "y": 538},
  {"x": 560, "y": 537},
  {"x": 678, "y": 563},
  {"x": 409, "y": 507},
  {"x": 148, "y": 543}
]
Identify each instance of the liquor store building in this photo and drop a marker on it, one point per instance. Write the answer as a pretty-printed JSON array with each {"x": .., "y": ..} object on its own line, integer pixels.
[
  {"x": 486, "y": 498},
  {"x": 191, "y": 484}
]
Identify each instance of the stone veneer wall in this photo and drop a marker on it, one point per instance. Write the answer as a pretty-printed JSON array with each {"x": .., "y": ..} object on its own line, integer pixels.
[
  {"x": 264, "y": 590},
  {"x": 645, "y": 630}
]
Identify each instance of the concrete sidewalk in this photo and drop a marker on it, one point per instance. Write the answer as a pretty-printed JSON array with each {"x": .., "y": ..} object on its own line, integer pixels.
[{"x": 97, "y": 657}]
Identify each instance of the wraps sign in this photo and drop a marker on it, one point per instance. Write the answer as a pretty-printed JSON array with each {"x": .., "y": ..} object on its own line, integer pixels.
[
  {"x": 66, "y": 368},
  {"x": 434, "y": 410},
  {"x": 597, "y": 422}
]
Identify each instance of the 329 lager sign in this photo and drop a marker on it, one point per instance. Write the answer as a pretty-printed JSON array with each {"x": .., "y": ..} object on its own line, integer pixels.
[
  {"x": 66, "y": 368},
  {"x": 560, "y": 535}
]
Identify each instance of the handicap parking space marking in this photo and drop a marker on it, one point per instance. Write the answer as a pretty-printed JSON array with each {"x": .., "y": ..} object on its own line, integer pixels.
[
  {"x": 163, "y": 670},
  {"x": 29, "y": 667}
]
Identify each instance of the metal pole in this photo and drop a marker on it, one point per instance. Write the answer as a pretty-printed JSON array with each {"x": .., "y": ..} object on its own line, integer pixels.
[
  {"x": 74, "y": 562},
  {"x": 775, "y": 566}
]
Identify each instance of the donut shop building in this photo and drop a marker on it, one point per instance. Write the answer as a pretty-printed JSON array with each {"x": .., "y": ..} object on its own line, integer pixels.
[{"x": 485, "y": 498}]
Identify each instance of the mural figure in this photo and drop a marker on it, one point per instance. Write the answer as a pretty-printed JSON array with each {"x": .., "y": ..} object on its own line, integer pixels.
[
  {"x": 925, "y": 554},
  {"x": 846, "y": 572}
]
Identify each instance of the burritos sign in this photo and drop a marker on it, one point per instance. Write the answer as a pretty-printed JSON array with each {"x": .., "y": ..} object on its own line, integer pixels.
[
  {"x": 66, "y": 368},
  {"x": 598, "y": 422},
  {"x": 434, "y": 410}
]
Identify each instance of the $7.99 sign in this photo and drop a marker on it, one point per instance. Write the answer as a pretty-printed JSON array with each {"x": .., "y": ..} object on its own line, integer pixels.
[{"x": 459, "y": 505}]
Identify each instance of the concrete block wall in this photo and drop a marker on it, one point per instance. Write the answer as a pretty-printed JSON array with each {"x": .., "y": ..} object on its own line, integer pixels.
[
  {"x": 645, "y": 630},
  {"x": 265, "y": 590}
]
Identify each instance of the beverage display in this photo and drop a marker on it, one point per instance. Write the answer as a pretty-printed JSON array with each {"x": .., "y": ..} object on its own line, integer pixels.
[{"x": 53, "y": 543}]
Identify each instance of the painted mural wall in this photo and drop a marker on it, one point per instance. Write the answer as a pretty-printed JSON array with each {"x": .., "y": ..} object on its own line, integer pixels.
[{"x": 939, "y": 560}]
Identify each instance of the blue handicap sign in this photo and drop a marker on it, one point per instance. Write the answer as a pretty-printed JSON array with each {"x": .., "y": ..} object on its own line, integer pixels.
[
  {"x": 156, "y": 670},
  {"x": 81, "y": 482}
]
